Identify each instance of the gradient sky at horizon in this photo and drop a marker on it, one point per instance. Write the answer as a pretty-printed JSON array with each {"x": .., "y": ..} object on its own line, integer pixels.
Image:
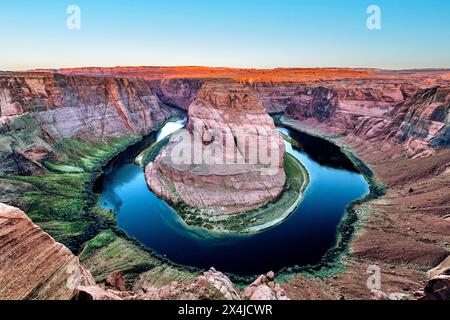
[{"x": 234, "y": 33}]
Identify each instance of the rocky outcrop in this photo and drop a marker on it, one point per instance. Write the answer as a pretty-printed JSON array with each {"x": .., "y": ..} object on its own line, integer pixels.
[
  {"x": 212, "y": 285},
  {"x": 438, "y": 285},
  {"x": 237, "y": 162},
  {"x": 116, "y": 281},
  {"x": 395, "y": 113},
  {"x": 38, "y": 110},
  {"x": 264, "y": 288},
  {"x": 438, "y": 288},
  {"x": 32, "y": 264},
  {"x": 221, "y": 282},
  {"x": 421, "y": 122},
  {"x": 443, "y": 269},
  {"x": 90, "y": 293},
  {"x": 380, "y": 295}
]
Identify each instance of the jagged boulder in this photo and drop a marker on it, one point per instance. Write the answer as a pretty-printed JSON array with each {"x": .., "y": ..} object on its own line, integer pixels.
[
  {"x": 442, "y": 269},
  {"x": 212, "y": 285},
  {"x": 221, "y": 282},
  {"x": 116, "y": 281},
  {"x": 264, "y": 288},
  {"x": 94, "y": 293},
  {"x": 438, "y": 285}
]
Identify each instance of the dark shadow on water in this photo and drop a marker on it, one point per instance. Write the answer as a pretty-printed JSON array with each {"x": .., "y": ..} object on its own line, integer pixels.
[{"x": 321, "y": 151}]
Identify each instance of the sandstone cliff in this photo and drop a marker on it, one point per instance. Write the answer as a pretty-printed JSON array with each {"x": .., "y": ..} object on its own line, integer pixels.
[
  {"x": 398, "y": 114},
  {"x": 38, "y": 110},
  {"x": 339, "y": 101},
  {"x": 230, "y": 124},
  {"x": 32, "y": 264},
  {"x": 392, "y": 122},
  {"x": 422, "y": 121},
  {"x": 277, "y": 75}
]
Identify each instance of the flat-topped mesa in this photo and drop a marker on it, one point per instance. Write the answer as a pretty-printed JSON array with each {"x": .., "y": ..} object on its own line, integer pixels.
[{"x": 230, "y": 159}]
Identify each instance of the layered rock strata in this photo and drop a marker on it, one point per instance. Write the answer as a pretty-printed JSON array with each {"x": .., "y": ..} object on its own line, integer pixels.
[
  {"x": 38, "y": 110},
  {"x": 32, "y": 264},
  {"x": 417, "y": 119},
  {"x": 407, "y": 228},
  {"x": 231, "y": 157}
]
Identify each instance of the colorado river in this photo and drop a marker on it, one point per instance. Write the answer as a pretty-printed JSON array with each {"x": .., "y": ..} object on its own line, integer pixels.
[{"x": 303, "y": 238}]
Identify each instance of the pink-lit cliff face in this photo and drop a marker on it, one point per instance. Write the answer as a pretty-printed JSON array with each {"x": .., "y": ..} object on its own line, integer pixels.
[{"x": 228, "y": 117}]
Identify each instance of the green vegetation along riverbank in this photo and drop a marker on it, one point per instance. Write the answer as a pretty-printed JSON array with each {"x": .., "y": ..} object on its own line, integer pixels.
[
  {"x": 254, "y": 221},
  {"x": 330, "y": 263},
  {"x": 63, "y": 203}
]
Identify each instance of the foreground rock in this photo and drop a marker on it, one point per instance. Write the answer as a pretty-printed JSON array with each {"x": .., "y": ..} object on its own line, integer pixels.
[
  {"x": 380, "y": 295},
  {"x": 212, "y": 285},
  {"x": 438, "y": 285},
  {"x": 443, "y": 269},
  {"x": 84, "y": 293},
  {"x": 238, "y": 162},
  {"x": 32, "y": 264},
  {"x": 116, "y": 281},
  {"x": 264, "y": 288},
  {"x": 393, "y": 113}
]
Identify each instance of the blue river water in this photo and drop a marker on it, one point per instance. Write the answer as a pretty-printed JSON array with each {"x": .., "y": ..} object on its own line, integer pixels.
[{"x": 301, "y": 239}]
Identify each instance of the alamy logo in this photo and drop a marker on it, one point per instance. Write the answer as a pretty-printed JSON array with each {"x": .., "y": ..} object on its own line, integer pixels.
[
  {"x": 374, "y": 19},
  {"x": 74, "y": 19},
  {"x": 374, "y": 280},
  {"x": 241, "y": 146}
]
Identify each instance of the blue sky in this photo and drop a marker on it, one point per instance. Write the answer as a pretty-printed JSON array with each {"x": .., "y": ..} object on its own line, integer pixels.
[{"x": 238, "y": 33}]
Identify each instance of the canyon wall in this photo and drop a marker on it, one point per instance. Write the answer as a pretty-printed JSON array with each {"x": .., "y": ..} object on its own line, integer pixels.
[
  {"x": 424, "y": 120},
  {"x": 402, "y": 113},
  {"x": 177, "y": 92},
  {"x": 39, "y": 110},
  {"x": 32, "y": 264},
  {"x": 362, "y": 102}
]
